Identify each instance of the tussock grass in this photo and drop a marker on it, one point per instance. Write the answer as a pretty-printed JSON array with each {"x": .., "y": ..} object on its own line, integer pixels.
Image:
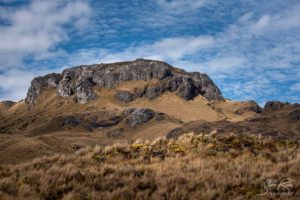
[{"x": 190, "y": 167}]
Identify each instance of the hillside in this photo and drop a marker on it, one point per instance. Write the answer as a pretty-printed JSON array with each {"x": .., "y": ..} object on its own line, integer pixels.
[
  {"x": 108, "y": 103},
  {"x": 191, "y": 167}
]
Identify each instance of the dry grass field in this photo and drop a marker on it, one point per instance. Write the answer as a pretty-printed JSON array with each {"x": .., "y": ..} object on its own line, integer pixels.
[{"x": 198, "y": 166}]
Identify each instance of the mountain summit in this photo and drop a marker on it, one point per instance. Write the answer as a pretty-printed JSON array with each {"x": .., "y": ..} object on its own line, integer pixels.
[{"x": 79, "y": 82}]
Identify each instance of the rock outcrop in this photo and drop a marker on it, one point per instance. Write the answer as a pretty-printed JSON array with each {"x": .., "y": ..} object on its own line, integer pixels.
[
  {"x": 278, "y": 105},
  {"x": 140, "y": 116},
  {"x": 124, "y": 96},
  {"x": 132, "y": 117},
  {"x": 39, "y": 84},
  {"x": 80, "y": 81}
]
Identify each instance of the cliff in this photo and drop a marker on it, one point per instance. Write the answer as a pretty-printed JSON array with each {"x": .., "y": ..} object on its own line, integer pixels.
[{"x": 80, "y": 81}]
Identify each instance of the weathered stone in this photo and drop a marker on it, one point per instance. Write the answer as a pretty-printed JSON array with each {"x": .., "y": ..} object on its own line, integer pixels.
[
  {"x": 84, "y": 91},
  {"x": 39, "y": 84},
  {"x": 154, "y": 91},
  {"x": 188, "y": 90},
  {"x": 127, "y": 112},
  {"x": 79, "y": 81},
  {"x": 140, "y": 116},
  {"x": 124, "y": 96}
]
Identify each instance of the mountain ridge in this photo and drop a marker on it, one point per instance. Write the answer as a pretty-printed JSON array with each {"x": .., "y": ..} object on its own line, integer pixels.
[
  {"x": 105, "y": 104},
  {"x": 79, "y": 81}
]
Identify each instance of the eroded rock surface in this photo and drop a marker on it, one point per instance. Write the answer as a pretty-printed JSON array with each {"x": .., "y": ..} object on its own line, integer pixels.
[
  {"x": 39, "y": 84},
  {"x": 139, "y": 116},
  {"x": 124, "y": 96},
  {"x": 80, "y": 81}
]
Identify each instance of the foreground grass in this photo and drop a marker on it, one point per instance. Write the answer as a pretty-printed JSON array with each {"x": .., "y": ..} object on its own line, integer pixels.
[{"x": 191, "y": 167}]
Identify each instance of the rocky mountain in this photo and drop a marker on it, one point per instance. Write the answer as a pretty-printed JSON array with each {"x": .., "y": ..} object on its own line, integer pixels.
[
  {"x": 79, "y": 82},
  {"x": 103, "y": 104}
]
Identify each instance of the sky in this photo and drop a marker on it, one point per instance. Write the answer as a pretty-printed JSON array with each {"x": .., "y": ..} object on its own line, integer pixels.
[{"x": 249, "y": 48}]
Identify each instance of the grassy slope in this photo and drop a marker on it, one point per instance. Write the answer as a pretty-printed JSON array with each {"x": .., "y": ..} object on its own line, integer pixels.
[
  {"x": 191, "y": 167},
  {"x": 32, "y": 133}
]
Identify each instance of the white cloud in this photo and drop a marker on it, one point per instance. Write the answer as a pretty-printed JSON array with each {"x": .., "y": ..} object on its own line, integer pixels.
[
  {"x": 169, "y": 49},
  {"x": 37, "y": 29},
  {"x": 225, "y": 64},
  {"x": 33, "y": 32},
  {"x": 261, "y": 24},
  {"x": 14, "y": 84},
  {"x": 284, "y": 21}
]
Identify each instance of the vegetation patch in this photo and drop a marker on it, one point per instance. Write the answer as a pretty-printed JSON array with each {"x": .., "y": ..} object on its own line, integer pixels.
[{"x": 190, "y": 167}]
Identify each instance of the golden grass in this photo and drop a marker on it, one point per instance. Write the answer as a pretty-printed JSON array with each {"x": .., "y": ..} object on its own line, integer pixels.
[{"x": 191, "y": 167}]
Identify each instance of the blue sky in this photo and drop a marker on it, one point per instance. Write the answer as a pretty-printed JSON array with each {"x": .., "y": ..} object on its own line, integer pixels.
[{"x": 250, "y": 48}]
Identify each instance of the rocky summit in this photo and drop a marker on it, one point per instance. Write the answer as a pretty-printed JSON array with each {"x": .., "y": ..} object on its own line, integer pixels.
[{"x": 79, "y": 82}]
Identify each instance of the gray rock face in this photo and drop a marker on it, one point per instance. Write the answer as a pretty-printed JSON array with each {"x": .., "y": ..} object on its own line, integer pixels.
[
  {"x": 124, "y": 96},
  {"x": 39, "y": 84},
  {"x": 140, "y": 116},
  {"x": 84, "y": 91},
  {"x": 79, "y": 81}
]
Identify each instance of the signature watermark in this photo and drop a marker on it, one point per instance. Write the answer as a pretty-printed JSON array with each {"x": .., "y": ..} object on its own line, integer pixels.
[{"x": 278, "y": 187}]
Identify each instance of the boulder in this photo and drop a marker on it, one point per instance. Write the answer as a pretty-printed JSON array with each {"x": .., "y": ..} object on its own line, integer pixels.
[
  {"x": 124, "y": 96},
  {"x": 139, "y": 116}
]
